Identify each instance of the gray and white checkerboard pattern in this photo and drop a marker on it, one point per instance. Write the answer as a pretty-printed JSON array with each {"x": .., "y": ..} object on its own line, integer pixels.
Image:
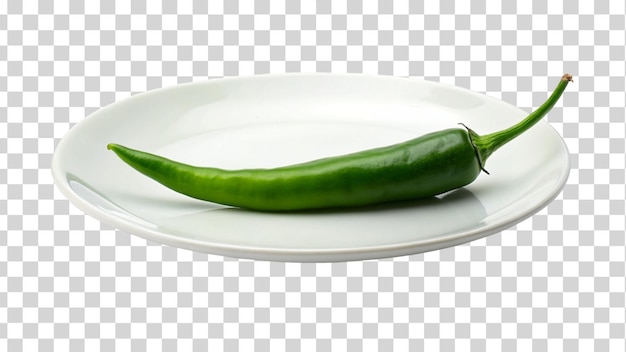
[{"x": 556, "y": 281}]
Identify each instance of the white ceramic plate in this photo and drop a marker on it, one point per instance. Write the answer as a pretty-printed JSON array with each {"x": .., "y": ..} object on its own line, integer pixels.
[{"x": 272, "y": 120}]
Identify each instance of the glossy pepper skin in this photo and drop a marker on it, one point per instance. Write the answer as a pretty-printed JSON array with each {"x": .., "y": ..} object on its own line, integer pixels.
[{"x": 419, "y": 168}]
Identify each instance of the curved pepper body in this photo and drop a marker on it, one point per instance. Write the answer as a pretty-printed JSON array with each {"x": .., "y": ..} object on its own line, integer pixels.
[{"x": 423, "y": 167}]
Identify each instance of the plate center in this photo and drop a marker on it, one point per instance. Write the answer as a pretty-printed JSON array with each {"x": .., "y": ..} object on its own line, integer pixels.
[{"x": 281, "y": 143}]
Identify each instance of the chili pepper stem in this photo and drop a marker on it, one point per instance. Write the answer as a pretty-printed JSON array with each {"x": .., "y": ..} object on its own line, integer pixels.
[{"x": 487, "y": 144}]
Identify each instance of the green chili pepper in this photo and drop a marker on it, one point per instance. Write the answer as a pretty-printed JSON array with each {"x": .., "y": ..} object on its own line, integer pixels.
[{"x": 423, "y": 167}]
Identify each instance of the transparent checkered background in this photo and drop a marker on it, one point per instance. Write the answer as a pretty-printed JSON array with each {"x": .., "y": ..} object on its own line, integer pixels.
[{"x": 556, "y": 281}]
